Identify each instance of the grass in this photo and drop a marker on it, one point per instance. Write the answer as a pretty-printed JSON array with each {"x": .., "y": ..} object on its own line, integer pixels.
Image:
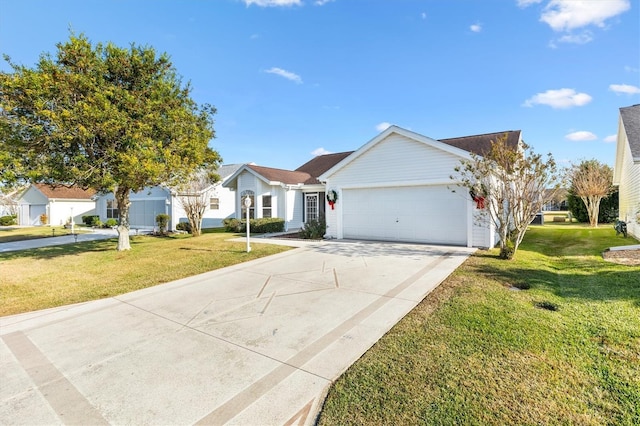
[
  {"x": 72, "y": 273},
  {"x": 11, "y": 234},
  {"x": 478, "y": 351}
]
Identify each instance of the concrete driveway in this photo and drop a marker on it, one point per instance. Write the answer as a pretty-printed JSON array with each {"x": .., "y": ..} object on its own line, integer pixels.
[{"x": 255, "y": 343}]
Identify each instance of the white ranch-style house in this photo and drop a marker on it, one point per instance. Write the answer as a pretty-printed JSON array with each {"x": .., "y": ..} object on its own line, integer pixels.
[
  {"x": 396, "y": 187},
  {"x": 150, "y": 202},
  {"x": 59, "y": 203},
  {"x": 626, "y": 172}
]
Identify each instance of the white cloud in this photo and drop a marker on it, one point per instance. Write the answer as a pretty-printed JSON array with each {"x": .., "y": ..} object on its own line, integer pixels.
[
  {"x": 322, "y": 2},
  {"x": 476, "y": 28},
  {"x": 526, "y": 3},
  {"x": 567, "y": 15},
  {"x": 320, "y": 151},
  {"x": 581, "y": 136},
  {"x": 627, "y": 68},
  {"x": 611, "y": 138},
  {"x": 583, "y": 38},
  {"x": 270, "y": 3},
  {"x": 286, "y": 74},
  {"x": 383, "y": 126},
  {"x": 561, "y": 98},
  {"x": 423, "y": 15},
  {"x": 625, "y": 88}
]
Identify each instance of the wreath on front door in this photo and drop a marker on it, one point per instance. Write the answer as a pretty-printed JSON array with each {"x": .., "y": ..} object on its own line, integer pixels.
[{"x": 332, "y": 197}]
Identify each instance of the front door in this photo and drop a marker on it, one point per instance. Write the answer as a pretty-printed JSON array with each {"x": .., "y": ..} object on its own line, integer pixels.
[{"x": 311, "y": 207}]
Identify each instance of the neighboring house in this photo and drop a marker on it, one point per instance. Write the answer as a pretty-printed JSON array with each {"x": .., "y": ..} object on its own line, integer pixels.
[
  {"x": 58, "y": 202},
  {"x": 297, "y": 196},
  {"x": 8, "y": 203},
  {"x": 152, "y": 201},
  {"x": 557, "y": 199},
  {"x": 626, "y": 172},
  {"x": 396, "y": 187}
]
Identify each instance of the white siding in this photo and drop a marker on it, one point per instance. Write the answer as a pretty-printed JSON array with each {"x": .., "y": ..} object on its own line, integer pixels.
[
  {"x": 286, "y": 203},
  {"x": 407, "y": 165},
  {"x": 629, "y": 197},
  {"x": 397, "y": 159},
  {"x": 60, "y": 211}
]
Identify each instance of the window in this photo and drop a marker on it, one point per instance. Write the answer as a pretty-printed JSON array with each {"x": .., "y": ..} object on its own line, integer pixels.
[
  {"x": 252, "y": 209},
  {"x": 266, "y": 206},
  {"x": 311, "y": 207},
  {"x": 214, "y": 203},
  {"x": 112, "y": 210}
]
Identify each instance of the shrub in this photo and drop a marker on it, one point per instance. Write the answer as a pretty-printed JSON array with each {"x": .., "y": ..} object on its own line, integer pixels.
[
  {"x": 233, "y": 225},
  {"x": 184, "y": 226},
  {"x": 110, "y": 223},
  {"x": 314, "y": 229},
  {"x": 267, "y": 225},
  {"x": 98, "y": 223},
  {"x": 163, "y": 221},
  {"x": 607, "y": 213},
  {"x": 8, "y": 220},
  {"x": 90, "y": 220},
  {"x": 258, "y": 226}
]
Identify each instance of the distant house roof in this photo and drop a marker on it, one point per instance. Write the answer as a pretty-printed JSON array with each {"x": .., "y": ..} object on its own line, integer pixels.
[
  {"x": 288, "y": 177},
  {"x": 481, "y": 144},
  {"x": 227, "y": 170},
  {"x": 631, "y": 121},
  {"x": 71, "y": 192},
  {"x": 320, "y": 164}
]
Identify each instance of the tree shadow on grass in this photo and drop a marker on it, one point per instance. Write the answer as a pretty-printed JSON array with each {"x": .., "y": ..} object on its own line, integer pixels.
[
  {"x": 598, "y": 284},
  {"x": 52, "y": 252}
]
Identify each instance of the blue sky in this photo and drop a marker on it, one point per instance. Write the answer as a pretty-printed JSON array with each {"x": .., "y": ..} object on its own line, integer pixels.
[{"x": 294, "y": 78}]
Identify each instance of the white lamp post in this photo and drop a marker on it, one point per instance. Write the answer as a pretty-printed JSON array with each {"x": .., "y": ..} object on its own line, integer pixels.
[{"x": 247, "y": 205}]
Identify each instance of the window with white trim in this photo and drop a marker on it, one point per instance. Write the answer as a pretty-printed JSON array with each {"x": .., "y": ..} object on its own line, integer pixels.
[
  {"x": 266, "y": 206},
  {"x": 214, "y": 203},
  {"x": 112, "y": 210}
]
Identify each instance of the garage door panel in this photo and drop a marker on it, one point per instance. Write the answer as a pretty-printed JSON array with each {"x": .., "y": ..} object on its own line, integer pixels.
[{"x": 428, "y": 214}]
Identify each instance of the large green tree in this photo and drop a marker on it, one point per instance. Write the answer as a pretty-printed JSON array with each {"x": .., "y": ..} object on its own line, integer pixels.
[
  {"x": 510, "y": 185},
  {"x": 105, "y": 117}
]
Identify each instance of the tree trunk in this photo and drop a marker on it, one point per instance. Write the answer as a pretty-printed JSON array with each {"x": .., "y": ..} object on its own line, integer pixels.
[
  {"x": 196, "y": 225},
  {"x": 122, "y": 199},
  {"x": 592, "y": 203}
]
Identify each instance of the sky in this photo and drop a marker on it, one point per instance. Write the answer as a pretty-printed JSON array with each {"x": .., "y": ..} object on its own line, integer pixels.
[{"x": 292, "y": 79}]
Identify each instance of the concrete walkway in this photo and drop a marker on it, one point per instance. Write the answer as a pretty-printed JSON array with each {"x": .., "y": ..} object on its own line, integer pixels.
[
  {"x": 96, "y": 234},
  {"x": 255, "y": 343}
]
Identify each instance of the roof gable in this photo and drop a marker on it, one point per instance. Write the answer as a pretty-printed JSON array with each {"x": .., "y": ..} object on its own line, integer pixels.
[
  {"x": 630, "y": 117},
  {"x": 70, "y": 192},
  {"x": 447, "y": 147}
]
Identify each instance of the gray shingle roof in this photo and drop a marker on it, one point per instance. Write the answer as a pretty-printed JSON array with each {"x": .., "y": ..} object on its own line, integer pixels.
[
  {"x": 481, "y": 144},
  {"x": 631, "y": 122},
  {"x": 320, "y": 164}
]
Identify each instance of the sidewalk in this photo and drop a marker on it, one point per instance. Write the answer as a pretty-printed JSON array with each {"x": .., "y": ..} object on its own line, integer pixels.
[{"x": 96, "y": 234}]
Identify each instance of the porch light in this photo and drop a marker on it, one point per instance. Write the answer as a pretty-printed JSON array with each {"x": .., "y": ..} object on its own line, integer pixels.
[{"x": 247, "y": 204}]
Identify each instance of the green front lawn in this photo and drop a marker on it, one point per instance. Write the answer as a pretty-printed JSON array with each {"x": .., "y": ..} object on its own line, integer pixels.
[
  {"x": 72, "y": 273},
  {"x": 478, "y": 351}
]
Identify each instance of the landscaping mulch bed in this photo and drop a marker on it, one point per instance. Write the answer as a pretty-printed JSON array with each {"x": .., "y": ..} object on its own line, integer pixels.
[{"x": 623, "y": 257}]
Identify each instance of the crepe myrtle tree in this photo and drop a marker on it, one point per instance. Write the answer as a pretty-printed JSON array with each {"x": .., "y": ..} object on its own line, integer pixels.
[
  {"x": 102, "y": 117},
  {"x": 194, "y": 195},
  {"x": 508, "y": 185},
  {"x": 591, "y": 181}
]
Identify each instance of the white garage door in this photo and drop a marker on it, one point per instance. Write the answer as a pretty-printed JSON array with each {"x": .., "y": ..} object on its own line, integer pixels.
[{"x": 425, "y": 214}]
